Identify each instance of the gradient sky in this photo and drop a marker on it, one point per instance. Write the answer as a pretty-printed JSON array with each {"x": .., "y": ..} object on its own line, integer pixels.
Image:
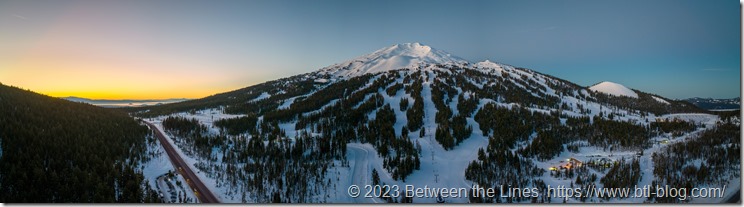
[{"x": 190, "y": 49}]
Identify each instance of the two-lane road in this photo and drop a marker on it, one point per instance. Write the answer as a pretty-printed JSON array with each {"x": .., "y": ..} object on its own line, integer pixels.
[{"x": 201, "y": 191}]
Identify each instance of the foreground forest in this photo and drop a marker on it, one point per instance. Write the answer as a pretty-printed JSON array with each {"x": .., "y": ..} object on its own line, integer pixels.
[{"x": 53, "y": 150}]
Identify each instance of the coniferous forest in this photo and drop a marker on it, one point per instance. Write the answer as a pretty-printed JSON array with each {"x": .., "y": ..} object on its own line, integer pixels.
[{"x": 53, "y": 150}]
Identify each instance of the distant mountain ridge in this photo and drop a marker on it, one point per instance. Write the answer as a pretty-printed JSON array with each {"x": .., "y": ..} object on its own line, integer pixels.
[
  {"x": 715, "y": 104},
  {"x": 114, "y": 103},
  {"x": 80, "y": 99}
]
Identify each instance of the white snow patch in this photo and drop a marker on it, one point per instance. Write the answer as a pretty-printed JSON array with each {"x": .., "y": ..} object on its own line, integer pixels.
[
  {"x": 660, "y": 100},
  {"x": 613, "y": 89},
  {"x": 155, "y": 168},
  {"x": 287, "y": 103},
  {"x": 487, "y": 64},
  {"x": 158, "y": 164},
  {"x": 206, "y": 117},
  {"x": 263, "y": 96}
]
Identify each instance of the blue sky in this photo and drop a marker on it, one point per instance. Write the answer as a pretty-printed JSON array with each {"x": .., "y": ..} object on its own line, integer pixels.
[{"x": 675, "y": 48}]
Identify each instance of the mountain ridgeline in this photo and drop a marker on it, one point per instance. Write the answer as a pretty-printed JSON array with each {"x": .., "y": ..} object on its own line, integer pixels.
[
  {"x": 716, "y": 104},
  {"x": 396, "y": 97},
  {"x": 533, "y": 88},
  {"x": 53, "y": 150}
]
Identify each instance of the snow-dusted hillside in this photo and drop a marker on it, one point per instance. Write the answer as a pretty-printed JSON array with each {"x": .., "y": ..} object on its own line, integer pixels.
[{"x": 419, "y": 116}]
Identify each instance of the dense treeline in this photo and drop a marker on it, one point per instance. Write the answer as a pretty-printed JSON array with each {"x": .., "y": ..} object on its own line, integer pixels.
[
  {"x": 392, "y": 90},
  {"x": 347, "y": 120},
  {"x": 502, "y": 167},
  {"x": 623, "y": 134},
  {"x": 268, "y": 165},
  {"x": 498, "y": 163},
  {"x": 564, "y": 88},
  {"x": 711, "y": 159},
  {"x": 466, "y": 106},
  {"x": 511, "y": 126},
  {"x": 183, "y": 126},
  {"x": 623, "y": 174},
  {"x": 441, "y": 95},
  {"x": 192, "y": 136},
  {"x": 510, "y": 89},
  {"x": 728, "y": 115},
  {"x": 645, "y": 102},
  {"x": 57, "y": 151},
  {"x": 318, "y": 99},
  {"x": 415, "y": 114},
  {"x": 400, "y": 157},
  {"x": 460, "y": 128},
  {"x": 239, "y": 125},
  {"x": 451, "y": 129},
  {"x": 352, "y": 110},
  {"x": 676, "y": 127},
  {"x": 545, "y": 146},
  {"x": 404, "y": 104},
  {"x": 275, "y": 170}
]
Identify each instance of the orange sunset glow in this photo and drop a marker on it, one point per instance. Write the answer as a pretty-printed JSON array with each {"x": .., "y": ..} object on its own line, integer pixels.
[
  {"x": 84, "y": 51},
  {"x": 64, "y": 75}
]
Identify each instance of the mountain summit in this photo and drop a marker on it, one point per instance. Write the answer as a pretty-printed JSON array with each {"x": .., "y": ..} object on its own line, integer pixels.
[{"x": 398, "y": 56}]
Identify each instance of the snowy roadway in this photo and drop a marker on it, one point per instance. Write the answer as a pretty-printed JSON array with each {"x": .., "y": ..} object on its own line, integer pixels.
[
  {"x": 201, "y": 191},
  {"x": 359, "y": 173}
]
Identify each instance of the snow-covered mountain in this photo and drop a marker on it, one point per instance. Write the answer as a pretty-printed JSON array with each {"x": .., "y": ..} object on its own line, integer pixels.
[
  {"x": 414, "y": 115},
  {"x": 398, "y": 56}
]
